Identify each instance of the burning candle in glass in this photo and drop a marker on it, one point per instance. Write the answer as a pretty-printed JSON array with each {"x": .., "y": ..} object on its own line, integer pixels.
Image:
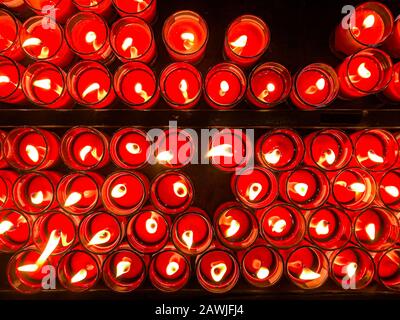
[
  {"x": 269, "y": 85},
  {"x": 10, "y": 81},
  {"x": 136, "y": 85},
  {"x": 124, "y": 193},
  {"x": 185, "y": 35},
  {"x": 44, "y": 84},
  {"x": 144, "y": 9},
  {"x": 181, "y": 85},
  {"x": 388, "y": 268},
  {"x": 282, "y": 225},
  {"x": 15, "y": 230},
  {"x": 280, "y": 150},
  {"x": 172, "y": 192},
  {"x": 389, "y": 189},
  {"x": 148, "y": 231},
  {"x": 315, "y": 86},
  {"x": 9, "y": 44},
  {"x": 58, "y": 10},
  {"x": 224, "y": 86},
  {"x": 368, "y": 71},
  {"x": 78, "y": 271},
  {"x": 79, "y": 193},
  {"x": 369, "y": 25},
  {"x": 392, "y": 91},
  {"x": 7, "y": 180},
  {"x": 246, "y": 40},
  {"x": 101, "y": 7},
  {"x": 85, "y": 148},
  {"x": 329, "y": 149}
]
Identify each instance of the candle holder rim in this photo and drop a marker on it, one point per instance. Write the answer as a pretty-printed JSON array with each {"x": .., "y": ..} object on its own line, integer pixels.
[
  {"x": 30, "y": 227},
  {"x": 129, "y": 12},
  {"x": 19, "y": 74},
  {"x": 378, "y": 265},
  {"x": 17, "y": 29},
  {"x": 379, "y": 185},
  {"x": 76, "y": 3},
  {"x": 33, "y": 8}
]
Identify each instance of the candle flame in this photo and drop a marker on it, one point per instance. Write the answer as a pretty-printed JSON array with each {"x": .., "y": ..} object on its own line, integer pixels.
[
  {"x": 188, "y": 40},
  {"x": 73, "y": 199},
  {"x": 301, "y": 189},
  {"x": 5, "y": 79},
  {"x": 46, "y": 85},
  {"x": 90, "y": 37},
  {"x": 101, "y": 237},
  {"x": 79, "y": 276},
  {"x": 371, "y": 232},
  {"x": 393, "y": 191},
  {"x": 224, "y": 88},
  {"x": 31, "y": 42},
  {"x": 238, "y": 45},
  {"x": 307, "y": 274},
  {"x": 363, "y": 71},
  {"x": 86, "y": 150},
  {"x": 319, "y": 86},
  {"x": 262, "y": 273},
  {"x": 223, "y": 150},
  {"x": 133, "y": 148},
  {"x": 124, "y": 266},
  {"x": 5, "y": 226},
  {"x": 180, "y": 189},
  {"x": 165, "y": 156},
  {"x": 351, "y": 269},
  {"x": 44, "y": 53},
  {"x": 273, "y": 156},
  {"x": 356, "y": 186},
  {"x": 187, "y": 237},
  {"x": 141, "y": 5},
  {"x": 233, "y": 224},
  {"x": 93, "y": 3},
  {"x": 37, "y": 198},
  {"x": 374, "y": 157},
  {"x": 151, "y": 225},
  {"x": 101, "y": 93},
  {"x": 268, "y": 89},
  {"x": 329, "y": 156},
  {"x": 218, "y": 271},
  {"x": 322, "y": 227},
  {"x": 172, "y": 268},
  {"x": 139, "y": 90},
  {"x": 254, "y": 190},
  {"x": 183, "y": 87},
  {"x": 277, "y": 224},
  {"x": 32, "y": 152},
  {"x": 127, "y": 43},
  {"x": 369, "y": 21},
  {"x": 119, "y": 191}
]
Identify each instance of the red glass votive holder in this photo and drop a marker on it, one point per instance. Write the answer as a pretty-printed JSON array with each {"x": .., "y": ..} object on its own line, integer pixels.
[
  {"x": 10, "y": 81},
  {"x": 125, "y": 192},
  {"x": 90, "y": 84},
  {"x": 224, "y": 86},
  {"x": 79, "y": 193},
  {"x": 3, "y": 161},
  {"x": 192, "y": 232},
  {"x": 144, "y": 9},
  {"x": 369, "y": 26},
  {"x": 45, "y": 85},
  {"x": 352, "y": 268},
  {"x": 307, "y": 267},
  {"x": 185, "y": 35},
  {"x": 217, "y": 270},
  {"x": 235, "y": 226},
  {"x": 391, "y": 44},
  {"x": 246, "y": 40},
  {"x": 130, "y": 148},
  {"x": 280, "y": 150},
  {"x": 59, "y": 10},
  {"x": 315, "y": 86},
  {"x": 148, "y": 231},
  {"x": 78, "y": 271},
  {"x": 124, "y": 270},
  {"x": 329, "y": 149},
  {"x": 85, "y": 148},
  {"x": 353, "y": 189},
  {"x": 7, "y": 180},
  {"x": 87, "y": 35},
  {"x": 388, "y": 267},
  {"x": 169, "y": 270},
  {"x": 172, "y": 192},
  {"x": 269, "y": 84},
  {"x": 389, "y": 189},
  {"x": 15, "y": 230},
  {"x": 101, "y": 7},
  {"x": 392, "y": 91},
  {"x": 17, "y": 6},
  {"x": 282, "y": 225},
  {"x": 329, "y": 228},
  {"x": 9, "y": 44},
  {"x": 181, "y": 85},
  {"x": 145, "y": 93},
  {"x": 34, "y": 192},
  {"x": 132, "y": 39},
  {"x": 368, "y": 71}
]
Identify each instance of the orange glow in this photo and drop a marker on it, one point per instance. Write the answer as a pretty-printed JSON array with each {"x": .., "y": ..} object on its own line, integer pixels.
[
  {"x": 238, "y": 45},
  {"x": 224, "y": 88},
  {"x": 101, "y": 237},
  {"x": 187, "y": 237},
  {"x": 124, "y": 266},
  {"x": 151, "y": 225},
  {"x": 234, "y": 226},
  {"x": 180, "y": 189},
  {"x": 329, "y": 156},
  {"x": 188, "y": 40},
  {"x": 172, "y": 268},
  {"x": 278, "y": 225},
  {"x": 254, "y": 190},
  {"x": 273, "y": 156},
  {"x": 218, "y": 271},
  {"x": 307, "y": 274},
  {"x": 223, "y": 150},
  {"x": 139, "y": 90},
  {"x": 32, "y": 152},
  {"x": 79, "y": 276},
  {"x": 133, "y": 148},
  {"x": 119, "y": 191},
  {"x": 5, "y": 226}
]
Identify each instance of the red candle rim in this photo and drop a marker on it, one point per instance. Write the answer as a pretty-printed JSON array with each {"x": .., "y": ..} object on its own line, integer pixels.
[
  {"x": 395, "y": 203},
  {"x": 27, "y": 219},
  {"x": 78, "y": 4},
  {"x": 379, "y": 265},
  {"x": 115, "y": 3},
  {"x": 17, "y": 29},
  {"x": 15, "y": 65}
]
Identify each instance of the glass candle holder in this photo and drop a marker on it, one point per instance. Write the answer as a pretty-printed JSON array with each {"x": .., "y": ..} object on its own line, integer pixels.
[
  {"x": 3, "y": 161},
  {"x": 7, "y": 180},
  {"x": 389, "y": 189},
  {"x": 391, "y": 43},
  {"x": 172, "y": 192},
  {"x": 125, "y": 192},
  {"x": 45, "y": 85},
  {"x": 34, "y": 192},
  {"x": 9, "y": 44},
  {"x": 280, "y": 150},
  {"x": 352, "y": 268},
  {"x": 132, "y": 39},
  {"x": 224, "y": 86},
  {"x": 144, "y": 9},
  {"x": 130, "y": 148},
  {"x": 59, "y": 10},
  {"x": 369, "y": 25},
  {"x": 101, "y": 7},
  {"x": 366, "y": 72},
  {"x": 185, "y": 35},
  {"x": 392, "y": 91},
  {"x": 192, "y": 232},
  {"x": 329, "y": 149},
  {"x": 246, "y": 40},
  {"x": 10, "y": 81},
  {"x": 79, "y": 193},
  {"x": 78, "y": 271},
  {"x": 15, "y": 230},
  {"x": 269, "y": 85},
  {"x": 387, "y": 268},
  {"x": 91, "y": 84},
  {"x": 148, "y": 231},
  {"x": 41, "y": 41},
  {"x": 315, "y": 86},
  {"x": 145, "y": 93},
  {"x": 217, "y": 270},
  {"x": 85, "y": 148},
  {"x": 87, "y": 35},
  {"x": 282, "y": 225},
  {"x": 17, "y": 6},
  {"x": 181, "y": 85}
]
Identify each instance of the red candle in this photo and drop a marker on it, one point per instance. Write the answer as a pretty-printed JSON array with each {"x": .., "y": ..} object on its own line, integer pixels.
[
  {"x": 136, "y": 85},
  {"x": 10, "y": 28},
  {"x": 389, "y": 189},
  {"x": 15, "y": 231},
  {"x": 145, "y": 9},
  {"x": 79, "y": 193},
  {"x": 7, "y": 179},
  {"x": 315, "y": 86},
  {"x": 388, "y": 268},
  {"x": 61, "y": 9},
  {"x": 280, "y": 150},
  {"x": 392, "y": 91},
  {"x": 10, "y": 81},
  {"x": 246, "y": 40},
  {"x": 125, "y": 192},
  {"x": 181, "y": 85},
  {"x": 269, "y": 85},
  {"x": 90, "y": 84},
  {"x": 101, "y": 7},
  {"x": 172, "y": 192},
  {"x": 185, "y": 35},
  {"x": 3, "y": 161},
  {"x": 224, "y": 86},
  {"x": 132, "y": 39},
  {"x": 366, "y": 72},
  {"x": 84, "y": 148}
]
